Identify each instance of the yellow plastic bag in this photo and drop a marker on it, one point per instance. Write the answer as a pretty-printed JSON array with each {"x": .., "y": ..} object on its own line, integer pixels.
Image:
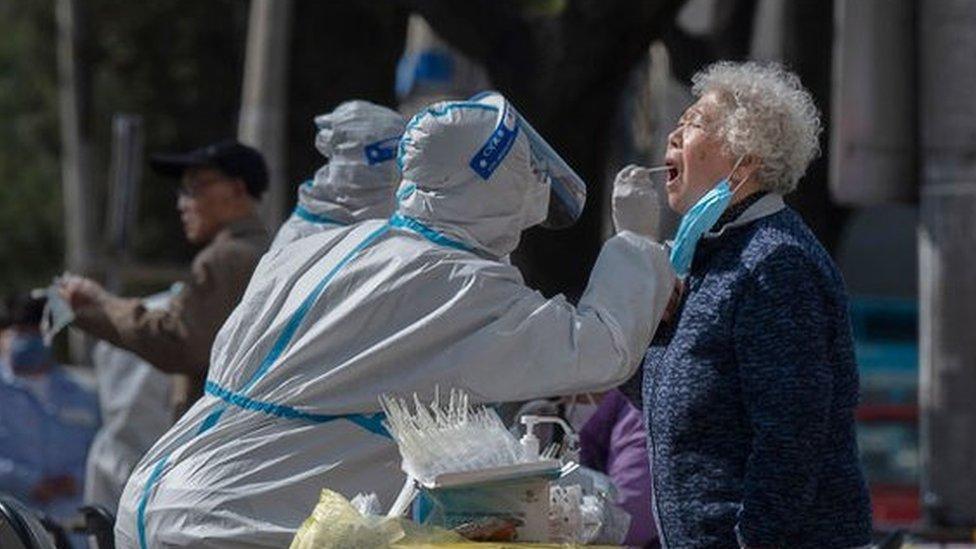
[{"x": 336, "y": 524}]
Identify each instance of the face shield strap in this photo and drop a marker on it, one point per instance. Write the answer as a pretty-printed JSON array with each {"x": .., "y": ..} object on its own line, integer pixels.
[
  {"x": 381, "y": 151},
  {"x": 493, "y": 152}
]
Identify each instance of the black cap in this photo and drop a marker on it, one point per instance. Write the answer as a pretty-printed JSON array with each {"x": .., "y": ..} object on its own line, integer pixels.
[{"x": 230, "y": 157}]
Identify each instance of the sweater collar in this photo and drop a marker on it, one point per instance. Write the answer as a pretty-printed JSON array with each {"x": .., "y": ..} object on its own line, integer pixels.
[
  {"x": 765, "y": 206},
  {"x": 735, "y": 210}
]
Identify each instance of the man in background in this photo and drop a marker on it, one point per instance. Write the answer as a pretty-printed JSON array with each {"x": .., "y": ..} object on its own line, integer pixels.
[{"x": 221, "y": 185}]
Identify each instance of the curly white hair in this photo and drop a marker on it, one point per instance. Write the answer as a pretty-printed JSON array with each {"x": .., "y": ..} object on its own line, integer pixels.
[{"x": 765, "y": 112}]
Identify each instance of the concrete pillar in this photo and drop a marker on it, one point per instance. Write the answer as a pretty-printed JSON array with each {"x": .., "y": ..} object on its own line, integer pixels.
[
  {"x": 947, "y": 260},
  {"x": 872, "y": 141},
  {"x": 264, "y": 98},
  {"x": 125, "y": 173}
]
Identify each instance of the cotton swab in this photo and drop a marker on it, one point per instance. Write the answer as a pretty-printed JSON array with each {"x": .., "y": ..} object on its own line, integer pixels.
[{"x": 655, "y": 170}]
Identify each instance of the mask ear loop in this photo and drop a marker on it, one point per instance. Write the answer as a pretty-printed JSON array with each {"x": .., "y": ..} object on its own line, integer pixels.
[{"x": 740, "y": 183}]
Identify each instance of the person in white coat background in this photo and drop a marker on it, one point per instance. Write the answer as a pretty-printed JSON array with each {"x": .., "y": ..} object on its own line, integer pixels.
[
  {"x": 332, "y": 321},
  {"x": 134, "y": 399}
]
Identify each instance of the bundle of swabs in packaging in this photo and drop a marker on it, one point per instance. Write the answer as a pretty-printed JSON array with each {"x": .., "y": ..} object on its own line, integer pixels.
[{"x": 448, "y": 438}]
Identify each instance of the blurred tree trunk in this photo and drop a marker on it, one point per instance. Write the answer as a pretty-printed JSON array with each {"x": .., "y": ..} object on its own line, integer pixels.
[
  {"x": 564, "y": 64},
  {"x": 74, "y": 93}
]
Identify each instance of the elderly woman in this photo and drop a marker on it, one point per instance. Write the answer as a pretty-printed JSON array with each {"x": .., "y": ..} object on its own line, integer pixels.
[{"x": 749, "y": 390}]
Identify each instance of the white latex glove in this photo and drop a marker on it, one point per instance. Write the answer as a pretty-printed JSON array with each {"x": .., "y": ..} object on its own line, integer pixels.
[{"x": 635, "y": 202}]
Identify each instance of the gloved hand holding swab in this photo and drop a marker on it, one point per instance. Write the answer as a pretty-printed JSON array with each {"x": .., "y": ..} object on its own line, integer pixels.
[{"x": 636, "y": 207}]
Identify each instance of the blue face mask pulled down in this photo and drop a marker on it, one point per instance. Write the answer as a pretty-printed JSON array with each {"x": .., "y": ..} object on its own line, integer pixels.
[
  {"x": 28, "y": 354},
  {"x": 699, "y": 219}
]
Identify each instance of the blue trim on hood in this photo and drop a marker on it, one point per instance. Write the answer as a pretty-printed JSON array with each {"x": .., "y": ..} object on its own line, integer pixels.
[
  {"x": 303, "y": 213},
  {"x": 401, "y": 221}
]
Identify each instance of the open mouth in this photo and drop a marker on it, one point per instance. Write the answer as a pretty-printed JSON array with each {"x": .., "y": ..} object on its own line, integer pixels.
[{"x": 673, "y": 172}]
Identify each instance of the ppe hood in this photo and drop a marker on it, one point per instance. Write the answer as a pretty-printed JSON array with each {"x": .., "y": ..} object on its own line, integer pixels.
[{"x": 567, "y": 191}]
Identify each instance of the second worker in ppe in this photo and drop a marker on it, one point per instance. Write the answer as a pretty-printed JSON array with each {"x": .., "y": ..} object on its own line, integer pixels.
[
  {"x": 359, "y": 138},
  {"x": 332, "y": 321}
]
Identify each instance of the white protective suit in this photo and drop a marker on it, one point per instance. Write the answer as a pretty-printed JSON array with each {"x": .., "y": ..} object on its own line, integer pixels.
[
  {"x": 332, "y": 321},
  {"x": 134, "y": 399},
  {"x": 359, "y": 138}
]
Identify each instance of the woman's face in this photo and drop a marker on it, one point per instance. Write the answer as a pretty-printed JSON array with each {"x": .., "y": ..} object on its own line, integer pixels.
[{"x": 695, "y": 155}]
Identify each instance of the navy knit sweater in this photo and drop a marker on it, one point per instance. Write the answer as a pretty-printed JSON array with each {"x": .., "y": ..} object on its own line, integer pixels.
[{"x": 749, "y": 395}]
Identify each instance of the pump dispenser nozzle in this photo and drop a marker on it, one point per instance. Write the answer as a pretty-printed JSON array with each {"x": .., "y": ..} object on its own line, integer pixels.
[{"x": 530, "y": 442}]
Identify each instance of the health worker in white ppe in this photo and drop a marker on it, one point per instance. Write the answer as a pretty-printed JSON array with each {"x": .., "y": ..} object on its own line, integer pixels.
[
  {"x": 135, "y": 403},
  {"x": 359, "y": 181},
  {"x": 332, "y": 321}
]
